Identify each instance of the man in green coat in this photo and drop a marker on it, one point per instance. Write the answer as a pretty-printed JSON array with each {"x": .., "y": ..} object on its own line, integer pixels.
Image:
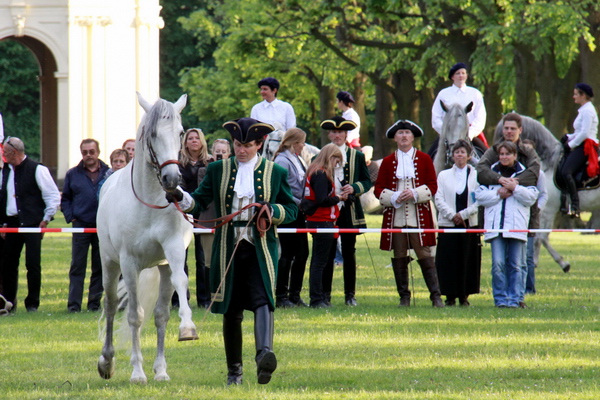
[
  {"x": 249, "y": 283},
  {"x": 353, "y": 179}
]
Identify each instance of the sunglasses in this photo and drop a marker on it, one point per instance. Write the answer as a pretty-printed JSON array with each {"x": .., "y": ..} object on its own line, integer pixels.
[
  {"x": 86, "y": 152},
  {"x": 7, "y": 142}
]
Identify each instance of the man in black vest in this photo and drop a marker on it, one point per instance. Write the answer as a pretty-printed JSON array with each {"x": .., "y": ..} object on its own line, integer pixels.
[{"x": 28, "y": 198}]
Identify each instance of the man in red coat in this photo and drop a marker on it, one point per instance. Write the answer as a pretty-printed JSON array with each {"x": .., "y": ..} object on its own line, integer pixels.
[{"x": 405, "y": 187}]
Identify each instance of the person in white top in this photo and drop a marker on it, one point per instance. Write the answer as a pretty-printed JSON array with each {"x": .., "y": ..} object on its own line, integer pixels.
[
  {"x": 462, "y": 94},
  {"x": 271, "y": 109},
  {"x": 346, "y": 104},
  {"x": 580, "y": 145}
]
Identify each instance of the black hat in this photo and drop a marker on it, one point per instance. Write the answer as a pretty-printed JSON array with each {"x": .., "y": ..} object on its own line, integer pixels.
[
  {"x": 346, "y": 97},
  {"x": 270, "y": 82},
  {"x": 404, "y": 124},
  {"x": 338, "y": 123},
  {"x": 585, "y": 88},
  {"x": 245, "y": 130},
  {"x": 455, "y": 68}
]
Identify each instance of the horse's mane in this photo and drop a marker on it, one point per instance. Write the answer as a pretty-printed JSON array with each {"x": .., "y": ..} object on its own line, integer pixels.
[
  {"x": 162, "y": 109},
  {"x": 546, "y": 145}
]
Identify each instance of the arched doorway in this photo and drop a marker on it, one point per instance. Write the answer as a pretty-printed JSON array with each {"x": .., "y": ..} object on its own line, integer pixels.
[{"x": 48, "y": 100}]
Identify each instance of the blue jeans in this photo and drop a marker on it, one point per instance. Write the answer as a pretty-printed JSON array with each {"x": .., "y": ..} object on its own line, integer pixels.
[
  {"x": 530, "y": 274},
  {"x": 508, "y": 258}
]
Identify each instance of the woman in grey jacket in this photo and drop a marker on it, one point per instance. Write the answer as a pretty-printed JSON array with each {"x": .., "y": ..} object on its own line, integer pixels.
[{"x": 294, "y": 246}]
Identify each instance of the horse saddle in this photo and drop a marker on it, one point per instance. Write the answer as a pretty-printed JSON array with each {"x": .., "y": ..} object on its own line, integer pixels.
[{"x": 583, "y": 181}]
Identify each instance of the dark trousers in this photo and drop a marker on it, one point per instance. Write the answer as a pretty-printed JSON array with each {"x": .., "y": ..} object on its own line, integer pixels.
[
  {"x": 323, "y": 244},
  {"x": 292, "y": 263},
  {"x": 79, "y": 253},
  {"x": 13, "y": 246},
  {"x": 574, "y": 162},
  {"x": 348, "y": 241}
]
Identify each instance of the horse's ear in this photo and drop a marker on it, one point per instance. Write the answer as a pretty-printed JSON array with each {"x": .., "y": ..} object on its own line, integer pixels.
[
  {"x": 180, "y": 103},
  {"x": 145, "y": 105},
  {"x": 443, "y": 106},
  {"x": 469, "y": 107}
]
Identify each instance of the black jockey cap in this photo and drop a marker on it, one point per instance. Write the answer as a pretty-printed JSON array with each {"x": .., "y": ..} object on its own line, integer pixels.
[
  {"x": 346, "y": 97},
  {"x": 245, "y": 130},
  {"x": 270, "y": 82},
  {"x": 585, "y": 88},
  {"x": 455, "y": 68},
  {"x": 404, "y": 124},
  {"x": 338, "y": 123}
]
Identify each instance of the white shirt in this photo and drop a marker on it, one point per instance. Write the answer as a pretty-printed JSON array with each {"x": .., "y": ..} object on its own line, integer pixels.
[
  {"x": 462, "y": 96},
  {"x": 460, "y": 177},
  {"x": 1, "y": 130},
  {"x": 50, "y": 193},
  {"x": 275, "y": 111},
  {"x": 585, "y": 125},
  {"x": 351, "y": 115}
]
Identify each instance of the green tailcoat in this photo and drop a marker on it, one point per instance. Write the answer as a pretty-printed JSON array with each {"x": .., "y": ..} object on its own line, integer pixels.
[
  {"x": 270, "y": 184},
  {"x": 357, "y": 174}
]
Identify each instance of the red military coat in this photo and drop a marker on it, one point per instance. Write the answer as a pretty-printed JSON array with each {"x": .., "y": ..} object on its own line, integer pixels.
[{"x": 424, "y": 175}]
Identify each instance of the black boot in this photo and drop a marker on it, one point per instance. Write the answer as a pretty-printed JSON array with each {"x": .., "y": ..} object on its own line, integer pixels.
[
  {"x": 232, "y": 336},
  {"x": 564, "y": 209},
  {"x": 266, "y": 362},
  {"x": 431, "y": 280},
  {"x": 572, "y": 188},
  {"x": 400, "y": 267}
]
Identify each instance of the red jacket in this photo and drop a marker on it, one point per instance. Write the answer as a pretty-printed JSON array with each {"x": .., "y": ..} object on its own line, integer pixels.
[{"x": 424, "y": 175}]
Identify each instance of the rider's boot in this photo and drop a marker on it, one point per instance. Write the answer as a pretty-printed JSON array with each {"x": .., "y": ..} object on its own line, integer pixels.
[
  {"x": 572, "y": 188},
  {"x": 564, "y": 208}
]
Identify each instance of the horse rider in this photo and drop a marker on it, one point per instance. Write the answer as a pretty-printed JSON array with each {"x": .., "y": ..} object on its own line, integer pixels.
[
  {"x": 580, "y": 146},
  {"x": 460, "y": 93},
  {"x": 244, "y": 262},
  {"x": 271, "y": 109}
]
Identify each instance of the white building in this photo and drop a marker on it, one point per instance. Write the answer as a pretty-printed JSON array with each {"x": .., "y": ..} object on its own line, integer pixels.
[{"x": 93, "y": 55}]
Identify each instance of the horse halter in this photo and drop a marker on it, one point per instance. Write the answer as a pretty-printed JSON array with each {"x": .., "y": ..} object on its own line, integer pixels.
[{"x": 157, "y": 167}]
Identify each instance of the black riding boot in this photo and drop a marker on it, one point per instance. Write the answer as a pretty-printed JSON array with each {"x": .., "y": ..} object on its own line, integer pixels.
[
  {"x": 232, "y": 336},
  {"x": 266, "y": 362},
  {"x": 431, "y": 280},
  {"x": 572, "y": 188},
  {"x": 400, "y": 267},
  {"x": 564, "y": 209}
]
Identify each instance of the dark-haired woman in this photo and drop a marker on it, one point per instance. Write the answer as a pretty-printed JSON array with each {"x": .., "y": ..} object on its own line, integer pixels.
[
  {"x": 580, "y": 146},
  {"x": 458, "y": 257}
]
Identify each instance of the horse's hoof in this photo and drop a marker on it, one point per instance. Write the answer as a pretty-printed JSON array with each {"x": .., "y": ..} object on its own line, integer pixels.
[
  {"x": 141, "y": 380},
  {"x": 106, "y": 369},
  {"x": 162, "y": 377},
  {"x": 187, "y": 334},
  {"x": 566, "y": 268}
]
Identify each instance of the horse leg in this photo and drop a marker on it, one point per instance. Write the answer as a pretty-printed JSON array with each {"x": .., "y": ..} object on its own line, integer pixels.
[
  {"x": 545, "y": 240},
  {"x": 135, "y": 317},
  {"x": 110, "y": 275},
  {"x": 161, "y": 318},
  {"x": 176, "y": 259}
]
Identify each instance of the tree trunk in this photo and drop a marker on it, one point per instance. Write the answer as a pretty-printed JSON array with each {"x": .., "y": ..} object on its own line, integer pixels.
[
  {"x": 590, "y": 60},
  {"x": 359, "y": 95},
  {"x": 328, "y": 100},
  {"x": 525, "y": 71},
  {"x": 556, "y": 94},
  {"x": 493, "y": 108},
  {"x": 384, "y": 118}
]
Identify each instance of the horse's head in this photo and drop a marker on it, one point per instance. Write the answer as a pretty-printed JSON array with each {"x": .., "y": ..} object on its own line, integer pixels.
[
  {"x": 456, "y": 123},
  {"x": 159, "y": 137}
]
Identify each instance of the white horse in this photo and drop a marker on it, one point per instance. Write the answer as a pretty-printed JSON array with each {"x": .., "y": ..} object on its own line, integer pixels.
[
  {"x": 138, "y": 229},
  {"x": 549, "y": 150}
]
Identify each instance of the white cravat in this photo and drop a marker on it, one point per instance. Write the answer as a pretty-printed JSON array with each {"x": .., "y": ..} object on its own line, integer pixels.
[
  {"x": 406, "y": 167},
  {"x": 244, "y": 181}
]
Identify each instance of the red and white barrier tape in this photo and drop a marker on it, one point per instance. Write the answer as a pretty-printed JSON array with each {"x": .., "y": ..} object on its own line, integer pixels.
[{"x": 324, "y": 230}]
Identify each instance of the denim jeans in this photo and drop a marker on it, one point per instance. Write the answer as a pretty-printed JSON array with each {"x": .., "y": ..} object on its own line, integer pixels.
[
  {"x": 530, "y": 274},
  {"x": 508, "y": 258}
]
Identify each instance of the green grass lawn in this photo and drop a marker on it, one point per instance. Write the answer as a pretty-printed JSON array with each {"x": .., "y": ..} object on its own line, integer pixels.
[{"x": 550, "y": 350}]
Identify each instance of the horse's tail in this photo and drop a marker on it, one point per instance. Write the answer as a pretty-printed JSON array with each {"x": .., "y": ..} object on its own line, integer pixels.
[{"x": 148, "y": 291}]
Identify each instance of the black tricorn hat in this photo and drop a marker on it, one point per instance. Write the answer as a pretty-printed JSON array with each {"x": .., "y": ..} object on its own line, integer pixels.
[
  {"x": 245, "y": 130},
  {"x": 338, "y": 123},
  {"x": 404, "y": 124}
]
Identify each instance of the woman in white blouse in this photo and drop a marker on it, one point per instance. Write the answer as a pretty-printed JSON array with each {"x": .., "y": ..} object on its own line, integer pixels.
[
  {"x": 580, "y": 145},
  {"x": 458, "y": 258}
]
